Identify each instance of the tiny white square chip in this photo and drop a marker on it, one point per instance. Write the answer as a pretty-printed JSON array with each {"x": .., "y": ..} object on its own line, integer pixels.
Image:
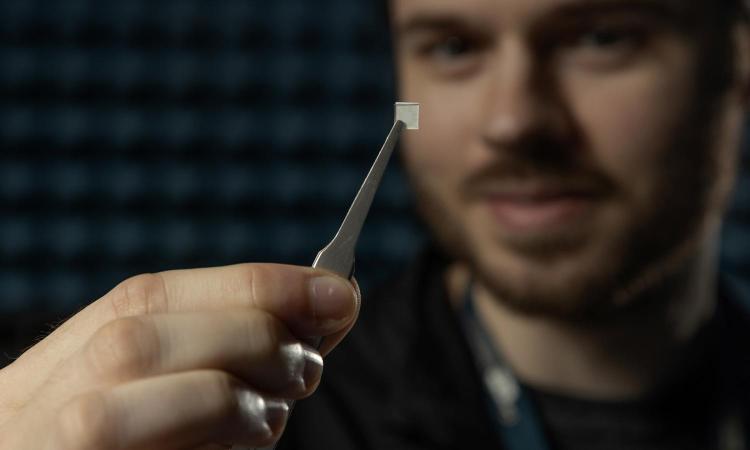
[{"x": 408, "y": 113}]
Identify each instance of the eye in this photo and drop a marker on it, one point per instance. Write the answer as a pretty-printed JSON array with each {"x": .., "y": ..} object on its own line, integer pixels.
[
  {"x": 607, "y": 38},
  {"x": 605, "y": 45},
  {"x": 450, "y": 54},
  {"x": 603, "y": 38},
  {"x": 451, "y": 47}
]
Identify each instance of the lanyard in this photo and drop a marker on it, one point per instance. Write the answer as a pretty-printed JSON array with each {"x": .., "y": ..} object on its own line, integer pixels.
[
  {"x": 509, "y": 402},
  {"x": 513, "y": 410}
]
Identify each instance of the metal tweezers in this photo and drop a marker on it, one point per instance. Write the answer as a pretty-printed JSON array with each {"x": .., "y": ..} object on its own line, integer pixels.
[{"x": 338, "y": 255}]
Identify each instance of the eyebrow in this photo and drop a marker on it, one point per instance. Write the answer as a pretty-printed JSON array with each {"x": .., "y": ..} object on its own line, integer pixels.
[
  {"x": 667, "y": 9},
  {"x": 435, "y": 22},
  {"x": 672, "y": 10}
]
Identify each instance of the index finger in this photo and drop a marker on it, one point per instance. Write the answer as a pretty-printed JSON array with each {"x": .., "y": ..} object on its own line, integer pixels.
[{"x": 309, "y": 301}]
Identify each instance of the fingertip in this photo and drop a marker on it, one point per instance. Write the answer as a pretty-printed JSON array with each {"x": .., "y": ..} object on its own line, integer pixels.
[
  {"x": 333, "y": 302},
  {"x": 331, "y": 341},
  {"x": 304, "y": 368}
]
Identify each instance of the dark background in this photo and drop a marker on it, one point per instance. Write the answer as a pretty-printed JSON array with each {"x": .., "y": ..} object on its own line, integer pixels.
[{"x": 141, "y": 135}]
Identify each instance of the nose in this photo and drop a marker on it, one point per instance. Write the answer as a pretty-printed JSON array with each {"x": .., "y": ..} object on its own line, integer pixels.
[{"x": 521, "y": 100}]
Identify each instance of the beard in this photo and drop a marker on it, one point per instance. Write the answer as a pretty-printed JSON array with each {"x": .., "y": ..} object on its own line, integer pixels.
[{"x": 634, "y": 262}]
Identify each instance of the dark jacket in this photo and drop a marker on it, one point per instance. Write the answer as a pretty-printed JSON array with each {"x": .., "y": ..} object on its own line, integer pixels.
[{"x": 405, "y": 378}]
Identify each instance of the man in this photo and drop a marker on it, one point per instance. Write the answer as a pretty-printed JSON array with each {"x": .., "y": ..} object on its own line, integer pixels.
[{"x": 575, "y": 159}]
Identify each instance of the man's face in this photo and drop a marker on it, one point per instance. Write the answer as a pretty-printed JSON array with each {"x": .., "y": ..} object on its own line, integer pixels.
[{"x": 567, "y": 151}]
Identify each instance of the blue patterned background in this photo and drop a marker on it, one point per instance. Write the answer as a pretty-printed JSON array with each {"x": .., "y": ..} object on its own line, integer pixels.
[
  {"x": 140, "y": 135},
  {"x": 143, "y": 135}
]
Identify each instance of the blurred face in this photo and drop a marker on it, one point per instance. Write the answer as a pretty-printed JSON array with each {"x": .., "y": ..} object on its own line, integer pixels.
[{"x": 569, "y": 150}]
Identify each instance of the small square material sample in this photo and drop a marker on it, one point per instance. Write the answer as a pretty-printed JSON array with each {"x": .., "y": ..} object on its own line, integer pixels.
[{"x": 408, "y": 113}]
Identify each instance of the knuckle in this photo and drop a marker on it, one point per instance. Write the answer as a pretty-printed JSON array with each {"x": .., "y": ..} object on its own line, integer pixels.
[
  {"x": 228, "y": 402},
  {"x": 84, "y": 423},
  {"x": 124, "y": 348},
  {"x": 265, "y": 334},
  {"x": 139, "y": 295},
  {"x": 219, "y": 393},
  {"x": 251, "y": 279}
]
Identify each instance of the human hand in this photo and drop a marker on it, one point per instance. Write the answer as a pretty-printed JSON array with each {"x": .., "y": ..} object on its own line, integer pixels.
[{"x": 178, "y": 360}]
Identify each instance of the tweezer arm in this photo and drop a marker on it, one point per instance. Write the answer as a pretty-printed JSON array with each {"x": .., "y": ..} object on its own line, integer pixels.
[{"x": 338, "y": 255}]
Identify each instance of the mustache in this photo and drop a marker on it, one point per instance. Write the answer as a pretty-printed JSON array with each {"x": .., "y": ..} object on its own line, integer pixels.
[{"x": 562, "y": 174}]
